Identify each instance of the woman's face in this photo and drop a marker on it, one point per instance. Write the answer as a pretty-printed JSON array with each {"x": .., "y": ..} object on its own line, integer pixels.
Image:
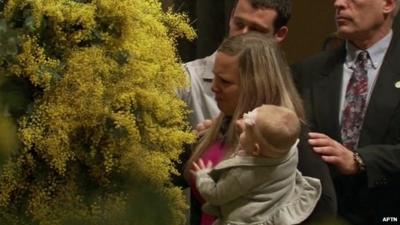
[{"x": 226, "y": 83}]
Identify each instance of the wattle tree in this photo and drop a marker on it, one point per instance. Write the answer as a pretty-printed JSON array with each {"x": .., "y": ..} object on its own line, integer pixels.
[{"x": 90, "y": 86}]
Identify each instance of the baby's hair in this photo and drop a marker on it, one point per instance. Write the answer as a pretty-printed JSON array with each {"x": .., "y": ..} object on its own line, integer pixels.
[{"x": 275, "y": 128}]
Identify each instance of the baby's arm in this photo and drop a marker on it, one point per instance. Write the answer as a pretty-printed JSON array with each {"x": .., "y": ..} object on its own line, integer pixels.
[
  {"x": 217, "y": 193},
  {"x": 211, "y": 209}
]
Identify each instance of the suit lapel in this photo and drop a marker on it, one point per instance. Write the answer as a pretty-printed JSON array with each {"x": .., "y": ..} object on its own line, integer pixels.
[
  {"x": 326, "y": 94},
  {"x": 384, "y": 98}
]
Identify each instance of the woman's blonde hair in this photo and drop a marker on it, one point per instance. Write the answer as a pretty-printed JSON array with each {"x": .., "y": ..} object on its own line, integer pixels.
[{"x": 265, "y": 78}]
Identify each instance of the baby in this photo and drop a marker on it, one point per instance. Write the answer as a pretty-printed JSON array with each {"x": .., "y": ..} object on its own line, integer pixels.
[{"x": 260, "y": 183}]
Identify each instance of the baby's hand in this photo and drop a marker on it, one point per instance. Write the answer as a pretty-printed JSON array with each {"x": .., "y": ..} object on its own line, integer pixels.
[{"x": 201, "y": 166}]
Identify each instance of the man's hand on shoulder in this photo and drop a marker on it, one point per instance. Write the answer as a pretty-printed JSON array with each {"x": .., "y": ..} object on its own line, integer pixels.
[{"x": 334, "y": 153}]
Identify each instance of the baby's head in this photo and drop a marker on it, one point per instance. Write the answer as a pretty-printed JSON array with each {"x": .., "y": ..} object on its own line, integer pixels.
[{"x": 269, "y": 131}]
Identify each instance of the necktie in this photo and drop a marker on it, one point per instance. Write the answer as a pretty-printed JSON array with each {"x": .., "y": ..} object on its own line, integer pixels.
[{"x": 355, "y": 102}]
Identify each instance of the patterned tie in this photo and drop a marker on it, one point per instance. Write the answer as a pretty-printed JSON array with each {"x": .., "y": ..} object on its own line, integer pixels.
[{"x": 355, "y": 102}]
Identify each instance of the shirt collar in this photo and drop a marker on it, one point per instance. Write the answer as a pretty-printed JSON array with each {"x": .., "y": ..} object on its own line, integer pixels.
[
  {"x": 209, "y": 61},
  {"x": 376, "y": 52}
]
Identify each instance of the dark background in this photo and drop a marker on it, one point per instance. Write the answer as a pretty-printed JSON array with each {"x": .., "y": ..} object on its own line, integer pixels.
[{"x": 312, "y": 21}]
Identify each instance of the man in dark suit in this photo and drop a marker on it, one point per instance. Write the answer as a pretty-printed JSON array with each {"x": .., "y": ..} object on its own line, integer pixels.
[{"x": 352, "y": 95}]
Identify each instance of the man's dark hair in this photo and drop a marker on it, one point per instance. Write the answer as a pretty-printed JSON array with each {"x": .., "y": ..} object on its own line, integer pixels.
[{"x": 282, "y": 7}]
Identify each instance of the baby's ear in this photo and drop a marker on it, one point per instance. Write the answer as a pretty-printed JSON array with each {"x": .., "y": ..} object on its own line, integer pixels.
[{"x": 256, "y": 150}]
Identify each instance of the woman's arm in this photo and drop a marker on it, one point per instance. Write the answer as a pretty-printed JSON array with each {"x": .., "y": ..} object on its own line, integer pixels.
[{"x": 310, "y": 164}]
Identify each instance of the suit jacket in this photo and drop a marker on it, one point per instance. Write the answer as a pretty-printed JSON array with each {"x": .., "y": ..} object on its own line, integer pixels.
[{"x": 374, "y": 194}]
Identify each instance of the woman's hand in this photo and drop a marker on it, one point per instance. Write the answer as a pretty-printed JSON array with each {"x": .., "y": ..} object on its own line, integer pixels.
[{"x": 202, "y": 127}]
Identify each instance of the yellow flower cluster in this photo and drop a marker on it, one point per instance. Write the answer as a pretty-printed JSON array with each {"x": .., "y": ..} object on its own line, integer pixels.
[
  {"x": 34, "y": 64},
  {"x": 105, "y": 120}
]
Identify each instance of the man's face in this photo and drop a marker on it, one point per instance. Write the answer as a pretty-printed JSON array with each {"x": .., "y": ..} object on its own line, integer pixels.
[
  {"x": 359, "y": 19},
  {"x": 245, "y": 18}
]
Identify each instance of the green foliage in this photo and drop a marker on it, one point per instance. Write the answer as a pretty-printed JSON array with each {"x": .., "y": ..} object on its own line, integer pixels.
[{"x": 89, "y": 89}]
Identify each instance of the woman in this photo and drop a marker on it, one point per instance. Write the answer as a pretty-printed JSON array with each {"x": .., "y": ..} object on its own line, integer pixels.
[
  {"x": 260, "y": 184},
  {"x": 250, "y": 71}
]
